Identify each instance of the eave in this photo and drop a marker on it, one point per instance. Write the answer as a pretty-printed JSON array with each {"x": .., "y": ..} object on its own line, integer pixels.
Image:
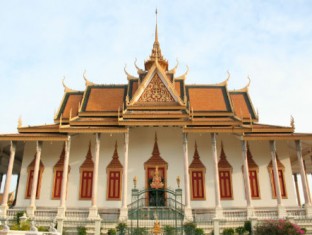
[
  {"x": 271, "y": 136},
  {"x": 214, "y": 130},
  {"x": 33, "y": 137},
  {"x": 98, "y": 114},
  {"x": 155, "y": 107},
  {"x": 94, "y": 129},
  {"x": 144, "y": 122},
  {"x": 152, "y": 114}
]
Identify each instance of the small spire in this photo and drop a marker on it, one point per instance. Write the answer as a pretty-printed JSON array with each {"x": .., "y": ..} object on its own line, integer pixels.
[
  {"x": 196, "y": 155},
  {"x": 115, "y": 151}
]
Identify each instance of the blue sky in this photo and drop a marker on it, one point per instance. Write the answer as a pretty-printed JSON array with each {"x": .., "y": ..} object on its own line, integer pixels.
[{"x": 42, "y": 41}]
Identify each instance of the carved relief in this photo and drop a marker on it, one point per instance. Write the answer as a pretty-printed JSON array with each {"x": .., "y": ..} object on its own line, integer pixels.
[{"x": 156, "y": 91}]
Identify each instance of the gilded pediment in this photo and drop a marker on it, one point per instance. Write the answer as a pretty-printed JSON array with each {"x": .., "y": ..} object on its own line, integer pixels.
[{"x": 156, "y": 91}]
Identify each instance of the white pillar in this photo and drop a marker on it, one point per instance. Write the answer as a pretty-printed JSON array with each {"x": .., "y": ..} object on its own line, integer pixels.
[
  {"x": 302, "y": 173},
  {"x": 216, "y": 175},
  {"x": 281, "y": 209},
  {"x": 32, "y": 207},
  {"x": 246, "y": 179},
  {"x": 93, "y": 210},
  {"x": 62, "y": 207},
  {"x": 4, "y": 204},
  {"x": 304, "y": 182},
  {"x": 124, "y": 209},
  {"x": 188, "y": 210}
]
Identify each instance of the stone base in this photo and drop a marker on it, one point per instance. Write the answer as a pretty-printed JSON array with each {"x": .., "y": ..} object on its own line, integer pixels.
[
  {"x": 281, "y": 212},
  {"x": 30, "y": 211},
  {"x": 123, "y": 214},
  {"x": 218, "y": 213},
  {"x": 61, "y": 212},
  {"x": 216, "y": 226},
  {"x": 188, "y": 215},
  {"x": 93, "y": 213},
  {"x": 60, "y": 225},
  {"x": 308, "y": 209},
  {"x": 3, "y": 211},
  {"x": 250, "y": 212}
]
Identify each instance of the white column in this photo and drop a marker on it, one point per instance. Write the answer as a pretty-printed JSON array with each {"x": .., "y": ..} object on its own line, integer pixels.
[
  {"x": 281, "y": 209},
  {"x": 188, "y": 210},
  {"x": 32, "y": 207},
  {"x": 305, "y": 187},
  {"x": 93, "y": 210},
  {"x": 4, "y": 204},
  {"x": 216, "y": 171},
  {"x": 246, "y": 179},
  {"x": 124, "y": 209},
  {"x": 62, "y": 207}
]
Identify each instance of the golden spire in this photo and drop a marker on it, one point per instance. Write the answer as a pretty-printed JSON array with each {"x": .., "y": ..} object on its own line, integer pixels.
[
  {"x": 156, "y": 30},
  {"x": 156, "y": 52}
]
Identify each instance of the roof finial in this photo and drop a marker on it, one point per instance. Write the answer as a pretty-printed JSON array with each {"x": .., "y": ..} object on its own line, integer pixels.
[{"x": 156, "y": 30}]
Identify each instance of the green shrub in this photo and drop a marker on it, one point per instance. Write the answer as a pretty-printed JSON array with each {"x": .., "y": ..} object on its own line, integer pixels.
[
  {"x": 121, "y": 228},
  {"x": 189, "y": 228},
  {"x": 278, "y": 227},
  {"x": 199, "y": 231},
  {"x": 228, "y": 231},
  {"x": 168, "y": 230},
  {"x": 247, "y": 226},
  {"x": 22, "y": 226},
  {"x": 82, "y": 230},
  {"x": 139, "y": 231},
  {"x": 240, "y": 230},
  {"x": 112, "y": 231},
  {"x": 43, "y": 229}
]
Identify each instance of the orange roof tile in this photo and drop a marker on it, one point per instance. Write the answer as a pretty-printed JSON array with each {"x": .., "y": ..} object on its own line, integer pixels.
[
  {"x": 115, "y": 163},
  {"x": 134, "y": 88},
  {"x": 177, "y": 86},
  {"x": 72, "y": 104},
  {"x": 208, "y": 98},
  {"x": 105, "y": 98},
  {"x": 240, "y": 105}
]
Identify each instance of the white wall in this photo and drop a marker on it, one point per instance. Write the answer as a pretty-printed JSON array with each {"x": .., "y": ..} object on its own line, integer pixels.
[{"x": 140, "y": 150}]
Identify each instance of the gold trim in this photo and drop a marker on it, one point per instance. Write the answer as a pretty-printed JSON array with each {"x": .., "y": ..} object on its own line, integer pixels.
[
  {"x": 25, "y": 137},
  {"x": 68, "y": 129}
]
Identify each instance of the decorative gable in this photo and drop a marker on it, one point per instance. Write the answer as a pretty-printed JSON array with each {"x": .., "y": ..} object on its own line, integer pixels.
[{"x": 156, "y": 91}]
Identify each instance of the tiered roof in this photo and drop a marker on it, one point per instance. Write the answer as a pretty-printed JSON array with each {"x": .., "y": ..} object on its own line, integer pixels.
[{"x": 157, "y": 97}]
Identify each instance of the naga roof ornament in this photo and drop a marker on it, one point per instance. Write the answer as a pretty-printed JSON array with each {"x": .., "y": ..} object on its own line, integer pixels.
[
  {"x": 88, "y": 83},
  {"x": 66, "y": 88},
  {"x": 245, "y": 89}
]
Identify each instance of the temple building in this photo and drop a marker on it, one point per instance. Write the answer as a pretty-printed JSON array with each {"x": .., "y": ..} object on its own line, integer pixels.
[{"x": 156, "y": 149}]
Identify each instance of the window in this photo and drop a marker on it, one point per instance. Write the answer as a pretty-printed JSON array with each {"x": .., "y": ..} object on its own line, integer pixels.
[
  {"x": 58, "y": 177},
  {"x": 225, "y": 184},
  {"x": 281, "y": 181},
  {"x": 197, "y": 182},
  {"x": 30, "y": 178},
  {"x": 114, "y": 177},
  {"x": 86, "y": 184},
  {"x": 86, "y": 177},
  {"x": 197, "y": 173},
  {"x": 30, "y": 182},
  {"x": 254, "y": 185},
  {"x": 280, "y": 170},
  {"x": 114, "y": 185},
  {"x": 253, "y": 175},
  {"x": 225, "y": 176}
]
